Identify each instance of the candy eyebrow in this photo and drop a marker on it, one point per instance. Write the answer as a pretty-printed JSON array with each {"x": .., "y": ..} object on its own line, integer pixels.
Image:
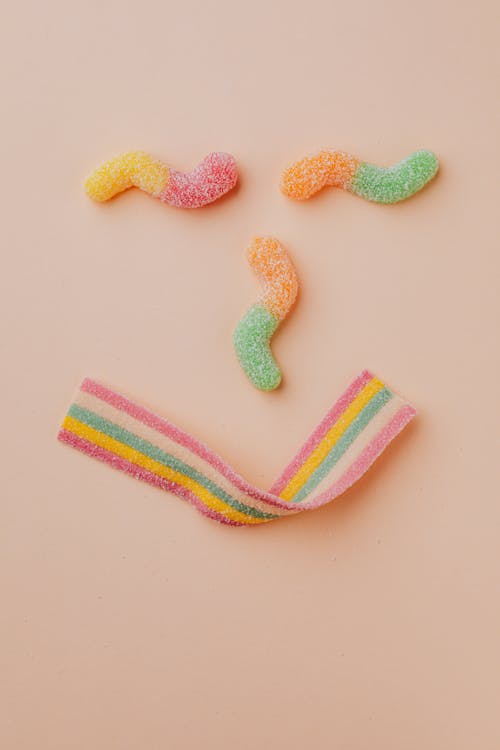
[
  {"x": 215, "y": 176},
  {"x": 306, "y": 177}
]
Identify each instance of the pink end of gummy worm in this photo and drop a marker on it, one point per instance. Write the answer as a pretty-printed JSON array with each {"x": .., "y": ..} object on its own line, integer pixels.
[{"x": 216, "y": 175}]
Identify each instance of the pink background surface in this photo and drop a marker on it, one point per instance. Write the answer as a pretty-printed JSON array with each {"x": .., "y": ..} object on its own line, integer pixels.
[{"x": 128, "y": 621}]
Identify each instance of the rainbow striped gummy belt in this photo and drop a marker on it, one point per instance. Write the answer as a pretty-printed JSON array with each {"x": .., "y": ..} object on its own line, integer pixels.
[{"x": 356, "y": 430}]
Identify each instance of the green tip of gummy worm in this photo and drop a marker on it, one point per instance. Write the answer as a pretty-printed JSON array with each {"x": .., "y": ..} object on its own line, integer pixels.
[
  {"x": 396, "y": 183},
  {"x": 251, "y": 342}
]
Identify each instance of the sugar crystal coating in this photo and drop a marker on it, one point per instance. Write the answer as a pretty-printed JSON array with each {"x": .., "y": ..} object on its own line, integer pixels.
[
  {"x": 396, "y": 183},
  {"x": 109, "y": 427},
  {"x": 133, "y": 169},
  {"x": 304, "y": 178},
  {"x": 253, "y": 333},
  {"x": 307, "y": 176},
  {"x": 216, "y": 175},
  {"x": 274, "y": 268},
  {"x": 252, "y": 344}
]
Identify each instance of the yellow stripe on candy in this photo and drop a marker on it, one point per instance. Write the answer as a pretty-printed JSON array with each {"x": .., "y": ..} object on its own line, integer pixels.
[
  {"x": 139, "y": 459},
  {"x": 133, "y": 169},
  {"x": 333, "y": 435}
]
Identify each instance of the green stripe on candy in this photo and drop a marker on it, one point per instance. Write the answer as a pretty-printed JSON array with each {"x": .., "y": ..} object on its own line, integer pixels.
[
  {"x": 151, "y": 451},
  {"x": 337, "y": 451},
  {"x": 252, "y": 344},
  {"x": 393, "y": 184}
]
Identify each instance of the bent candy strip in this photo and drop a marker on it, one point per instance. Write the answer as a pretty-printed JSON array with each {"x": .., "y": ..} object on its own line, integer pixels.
[
  {"x": 254, "y": 331},
  {"x": 378, "y": 184},
  {"x": 115, "y": 430},
  {"x": 216, "y": 175}
]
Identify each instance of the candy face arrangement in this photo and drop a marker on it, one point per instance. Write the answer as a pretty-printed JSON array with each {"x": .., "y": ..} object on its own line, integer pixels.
[
  {"x": 254, "y": 331},
  {"x": 215, "y": 176},
  {"x": 366, "y": 418},
  {"x": 378, "y": 184}
]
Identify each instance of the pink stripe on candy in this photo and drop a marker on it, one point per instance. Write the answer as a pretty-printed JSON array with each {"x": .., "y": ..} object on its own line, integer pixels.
[
  {"x": 355, "y": 470},
  {"x": 138, "y": 472},
  {"x": 166, "y": 428},
  {"x": 333, "y": 415},
  {"x": 361, "y": 465}
]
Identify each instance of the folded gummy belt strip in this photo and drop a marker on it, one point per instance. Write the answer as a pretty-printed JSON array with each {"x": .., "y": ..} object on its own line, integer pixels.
[{"x": 115, "y": 430}]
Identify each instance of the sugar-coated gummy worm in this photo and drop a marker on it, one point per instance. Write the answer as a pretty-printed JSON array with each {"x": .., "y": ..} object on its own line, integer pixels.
[
  {"x": 356, "y": 430},
  {"x": 216, "y": 175},
  {"x": 253, "y": 333},
  {"x": 306, "y": 177}
]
